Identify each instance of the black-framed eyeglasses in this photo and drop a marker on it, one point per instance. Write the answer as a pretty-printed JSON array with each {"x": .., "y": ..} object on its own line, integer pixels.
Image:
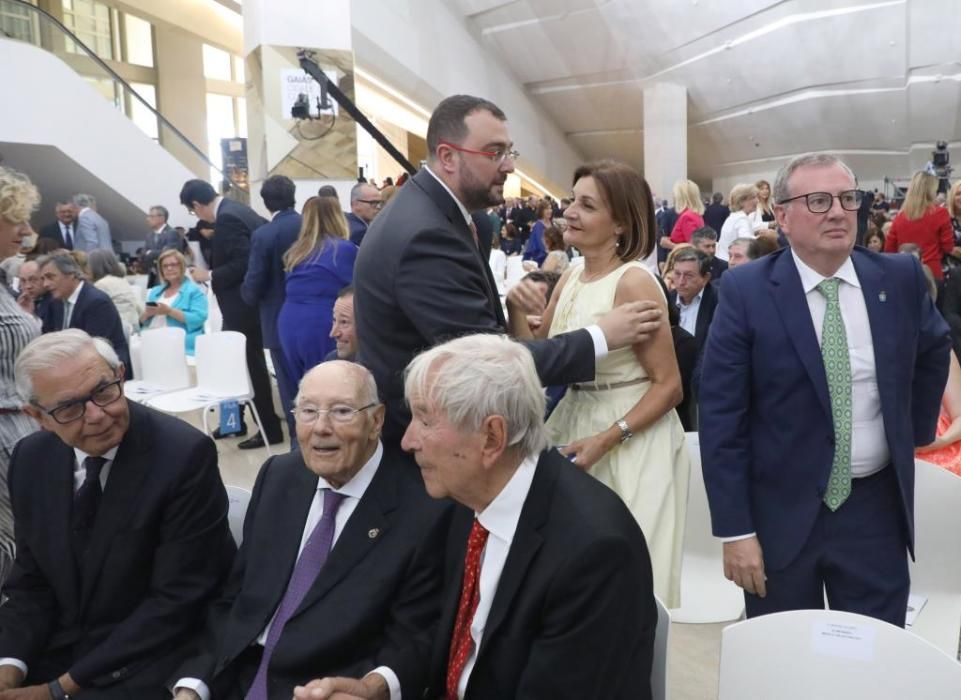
[
  {"x": 103, "y": 395},
  {"x": 498, "y": 156},
  {"x": 376, "y": 203},
  {"x": 339, "y": 413},
  {"x": 821, "y": 202}
]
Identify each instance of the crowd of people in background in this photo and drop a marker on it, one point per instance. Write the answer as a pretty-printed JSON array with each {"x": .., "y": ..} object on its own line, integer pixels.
[{"x": 385, "y": 324}]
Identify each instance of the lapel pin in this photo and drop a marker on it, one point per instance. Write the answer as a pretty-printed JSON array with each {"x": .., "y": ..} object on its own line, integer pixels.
[
  {"x": 373, "y": 532},
  {"x": 883, "y": 297}
]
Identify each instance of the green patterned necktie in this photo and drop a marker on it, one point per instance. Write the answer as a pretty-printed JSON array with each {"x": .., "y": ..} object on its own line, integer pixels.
[{"x": 837, "y": 366}]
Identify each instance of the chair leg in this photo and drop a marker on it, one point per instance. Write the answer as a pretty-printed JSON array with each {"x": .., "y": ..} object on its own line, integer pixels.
[
  {"x": 260, "y": 426},
  {"x": 204, "y": 412}
]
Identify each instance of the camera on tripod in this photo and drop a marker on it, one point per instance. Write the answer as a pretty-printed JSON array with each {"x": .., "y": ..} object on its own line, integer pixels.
[{"x": 940, "y": 160}]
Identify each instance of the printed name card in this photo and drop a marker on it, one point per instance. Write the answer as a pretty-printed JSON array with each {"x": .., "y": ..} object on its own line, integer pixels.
[{"x": 844, "y": 641}]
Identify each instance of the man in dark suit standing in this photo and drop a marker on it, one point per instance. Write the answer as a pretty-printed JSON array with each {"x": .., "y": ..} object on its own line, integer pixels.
[
  {"x": 289, "y": 613},
  {"x": 716, "y": 213},
  {"x": 264, "y": 283},
  {"x": 548, "y": 589},
  {"x": 422, "y": 276},
  {"x": 75, "y": 303},
  {"x": 64, "y": 229},
  {"x": 121, "y": 532},
  {"x": 230, "y": 252},
  {"x": 693, "y": 295},
  {"x": 704, "y": 239},
  {"x": 162, "y": 237},
  {"x": 824, "y": 369}
]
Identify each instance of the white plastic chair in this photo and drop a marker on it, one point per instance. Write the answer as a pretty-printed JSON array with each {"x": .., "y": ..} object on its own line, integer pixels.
[
  {"x": 515, "y": 270},
  {"x": 237, "y": 499},
  {"x": 135, "y": 347},
  {"x": 826, "y": 654},
  {"x": 221, "y": 376},
  {"x": 706, "y": 596},
  {"x": 662, "y": 639},
  {"x": 163, "y": 364},
  {"x": 936, "y": 573}
]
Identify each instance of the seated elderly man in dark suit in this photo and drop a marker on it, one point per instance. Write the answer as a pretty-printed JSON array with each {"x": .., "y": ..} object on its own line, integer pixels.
[
  {"x": 121, "y": 532},
  {"x": 548, "y": 588},
  {"x": 75, "y": 303},
  {"x": 340, "y": 563}
]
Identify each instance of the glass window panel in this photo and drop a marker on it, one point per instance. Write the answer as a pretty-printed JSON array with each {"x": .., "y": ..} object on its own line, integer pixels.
[
  {"x": 17, "y": 22},
  {"x": 90, "y": 21},
  {"x": 220, "y": 125},
  {"x": 141, "y": 115},
  {"x": 216, "y": 63}
]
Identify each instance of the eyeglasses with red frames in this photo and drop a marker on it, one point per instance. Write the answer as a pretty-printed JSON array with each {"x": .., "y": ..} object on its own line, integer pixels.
[{"x": 498, "y": 156}]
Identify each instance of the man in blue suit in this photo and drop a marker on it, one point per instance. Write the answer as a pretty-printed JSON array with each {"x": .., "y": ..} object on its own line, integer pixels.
[
  {"x": 264, "y": 283},
  {"x": 824, "y": 369}
]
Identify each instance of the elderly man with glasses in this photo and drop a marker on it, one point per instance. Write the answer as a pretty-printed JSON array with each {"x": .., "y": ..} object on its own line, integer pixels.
[
  {"x": 121, "y": 532},
  {"x": 365, "y": 202},
  {"x": 824, "y": 368},
  {"x": 340, "y": 563}
]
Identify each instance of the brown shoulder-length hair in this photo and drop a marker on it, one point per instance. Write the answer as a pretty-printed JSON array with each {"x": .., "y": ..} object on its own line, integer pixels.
[
  {"x": 323, "y": 222},
  {"x": 629, "y": 199}
]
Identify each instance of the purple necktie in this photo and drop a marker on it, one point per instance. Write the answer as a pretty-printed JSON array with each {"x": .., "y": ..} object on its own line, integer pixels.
[{"x": 308, "y": 566}]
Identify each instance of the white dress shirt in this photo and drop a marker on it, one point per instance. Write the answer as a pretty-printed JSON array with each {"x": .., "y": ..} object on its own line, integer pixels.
[
  {"x": 869, "y": 444},
  {"x": 597, "y": 335},
  {"x": 353, "y": 491},
  {"x": 79, "y": 474},
  {"x": 689, "y": 312}
]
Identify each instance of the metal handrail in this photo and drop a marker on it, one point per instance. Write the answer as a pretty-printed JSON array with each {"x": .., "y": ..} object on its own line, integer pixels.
[{"x": 113, "y": 74}]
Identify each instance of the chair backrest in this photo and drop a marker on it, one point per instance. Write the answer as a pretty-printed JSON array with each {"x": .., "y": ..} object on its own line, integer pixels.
[
  {"x": 937, "y": 522},
  {"x": 697, "y": 531},
  {"x": 164, "y": 358},
  {"x": 222, "y": 364},
  {"x": 515, "y": 270},
  {"x": 134, "y": 346},
  {"x": 237, "y": 502},
  {"x": 661, "y": 639},
  {"x": 807, "y": 654}
]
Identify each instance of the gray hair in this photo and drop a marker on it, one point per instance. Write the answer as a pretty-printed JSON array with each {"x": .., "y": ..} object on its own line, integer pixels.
[
  {"x": 52, "y": 349},
  {"x": 162, "y": 211},
  {"x": 781, "y": 191},
  {"x": 368, "y": 393},
  {"x": 743, "y": 241},
  {"x": 64, "y": 262},
  {"x": 356, "y": 192},
  {"x": 102, "y": 262},
  {"x": 477, "y": 376},
  {"x": 85, "y": 200}
]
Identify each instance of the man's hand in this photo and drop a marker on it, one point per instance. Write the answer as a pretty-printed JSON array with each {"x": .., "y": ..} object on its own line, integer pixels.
[
  {"x": 631, "y": 323},
  {"x": 370, "y": 687},
  {"x": 526, "y": 297},
  {"x": 31, "y": 692},
  {"x": 10, "y": 677},
  {"x": 200, "y": 275},
  {"x": 744, "y": 564}
]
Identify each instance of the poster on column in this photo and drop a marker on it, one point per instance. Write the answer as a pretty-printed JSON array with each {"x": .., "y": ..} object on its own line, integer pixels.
[{"x": 320, "y": 142}]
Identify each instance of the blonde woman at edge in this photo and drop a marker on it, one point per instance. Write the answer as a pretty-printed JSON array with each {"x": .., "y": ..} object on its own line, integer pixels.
[{"x": 622, "y": 428}]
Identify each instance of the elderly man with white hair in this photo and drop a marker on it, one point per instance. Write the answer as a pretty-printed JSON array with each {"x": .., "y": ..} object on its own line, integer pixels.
[
  {"x": 548, "y": 589},
  {"x": 93, "y": 231}
]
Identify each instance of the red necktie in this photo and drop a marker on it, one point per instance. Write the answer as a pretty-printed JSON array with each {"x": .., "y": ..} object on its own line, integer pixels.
[
  {"x": 473, "y": 232},
  {"x": 461, "y": 642}
]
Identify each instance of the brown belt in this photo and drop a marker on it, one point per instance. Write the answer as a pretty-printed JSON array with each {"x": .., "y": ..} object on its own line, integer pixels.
[{"x": 596, "y": 386}]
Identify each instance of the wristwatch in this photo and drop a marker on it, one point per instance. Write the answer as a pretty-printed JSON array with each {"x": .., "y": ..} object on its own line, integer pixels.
[
  {"x": 626, "y": 433},
  {"x": 56, "y": 690}
]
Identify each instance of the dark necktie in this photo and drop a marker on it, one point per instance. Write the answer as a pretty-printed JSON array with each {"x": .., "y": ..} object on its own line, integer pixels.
[
  {"x": 473, "y": 231},
  {"x": 68, "y": 236},
  {"x": 86, "y": 502},
  {"x": 461, "y": 642},
  {"x": 308, "y": 566}
]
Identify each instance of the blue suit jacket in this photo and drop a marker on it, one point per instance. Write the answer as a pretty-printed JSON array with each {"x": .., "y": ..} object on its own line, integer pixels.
[
  {"x": 767, "y": 434},
  {"x": 263, "y": 284}
]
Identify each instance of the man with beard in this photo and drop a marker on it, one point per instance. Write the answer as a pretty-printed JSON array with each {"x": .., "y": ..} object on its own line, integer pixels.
[{"x": 422, "y": 277}]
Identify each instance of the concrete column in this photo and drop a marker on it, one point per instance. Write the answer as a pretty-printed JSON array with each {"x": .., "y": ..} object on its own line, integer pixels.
[
  {"x": 665, "y": 137},
  {"x": 182, "y": 94},
  {"x": 311, "y": 152}
]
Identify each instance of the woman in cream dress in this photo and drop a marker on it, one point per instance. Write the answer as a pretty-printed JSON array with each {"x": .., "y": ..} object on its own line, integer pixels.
[{"x": 622, "y": 428}]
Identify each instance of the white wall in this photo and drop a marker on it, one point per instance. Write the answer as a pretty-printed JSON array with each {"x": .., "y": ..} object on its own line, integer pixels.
[{"x": 424, "y": 50}]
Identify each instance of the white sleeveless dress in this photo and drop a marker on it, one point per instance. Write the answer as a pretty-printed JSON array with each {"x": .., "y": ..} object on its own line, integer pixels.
[{"x": 651, "y": 471}]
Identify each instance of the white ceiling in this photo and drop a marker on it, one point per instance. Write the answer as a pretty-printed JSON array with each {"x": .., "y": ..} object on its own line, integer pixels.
[{"x": 879, "y": 80}]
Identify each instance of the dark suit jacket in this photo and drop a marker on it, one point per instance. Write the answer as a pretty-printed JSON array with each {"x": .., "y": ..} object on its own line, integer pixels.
[
  {"x": 705, "y": 314},
  {"x": 53, "y": 232},
  {"x": 574, "y": 613},
  {"x": 265, "y": 280},
  {"x": 718, "y": 268},
  {"x": 357, "y": 226},
  {"x": 230, "y": 253},
  {"x": 715, "y": 215},
  {"x": 158, "y": 553},
  {"x": 951, "y": 307},
  {"x": 373, "y": 594},
  {"x": 420, "y": 280},
  {"x": 94, "y": 313},
  {"x": 764, "y": 395}
]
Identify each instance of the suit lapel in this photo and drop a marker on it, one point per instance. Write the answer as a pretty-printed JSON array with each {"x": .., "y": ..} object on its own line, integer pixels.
[
  {"x": 364, "y": 530},
  {"x": 796, "y": 317},
  {"x": 459, "y": 531},
  {"x": 873, "y": 287},
  {"x": 119, "y": 502},
  {"x": 705, "y": 313}
]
